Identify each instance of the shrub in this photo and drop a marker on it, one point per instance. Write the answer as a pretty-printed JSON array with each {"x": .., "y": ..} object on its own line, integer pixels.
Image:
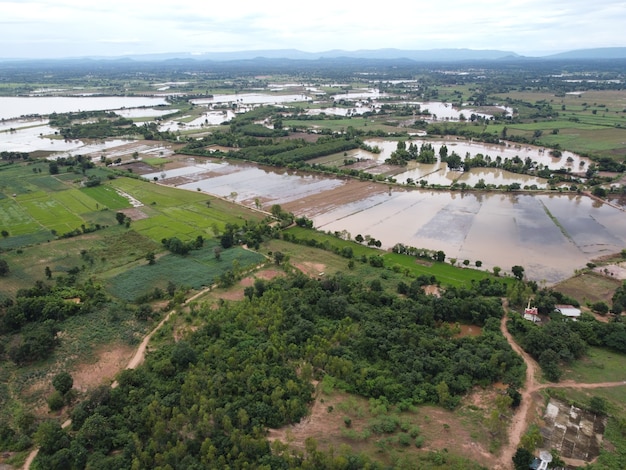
[
  {"x": 63, "y": 382},
  {"x": 55, "y": 401}
]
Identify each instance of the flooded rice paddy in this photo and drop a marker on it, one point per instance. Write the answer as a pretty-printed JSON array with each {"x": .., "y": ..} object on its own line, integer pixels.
[
  {"x": 15, "y": 107},
  {"x": 551, "y": 235},
  {"x": 252, "y": 98},
  {"x": 439, "y": 174}
]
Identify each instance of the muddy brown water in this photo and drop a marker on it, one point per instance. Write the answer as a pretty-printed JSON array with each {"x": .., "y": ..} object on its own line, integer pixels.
[{"x": 550, "y": 235}]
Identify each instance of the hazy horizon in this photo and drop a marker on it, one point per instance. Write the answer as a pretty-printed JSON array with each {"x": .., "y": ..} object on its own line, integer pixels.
[{"x": 43, "y": 29}]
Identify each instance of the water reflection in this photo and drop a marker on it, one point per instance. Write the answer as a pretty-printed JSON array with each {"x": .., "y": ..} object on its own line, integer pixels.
[
  {"x": 252, "y": 98},
  {"x": 550, "y": 235},
  {"x": 15, "y": 107},
  {"x": 439, "y": 174}
]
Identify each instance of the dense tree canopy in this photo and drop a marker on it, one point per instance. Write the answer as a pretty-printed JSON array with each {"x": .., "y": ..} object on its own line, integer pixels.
[{"x": 207, "y": 400}]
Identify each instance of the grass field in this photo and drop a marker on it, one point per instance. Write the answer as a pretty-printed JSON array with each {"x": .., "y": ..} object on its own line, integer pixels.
[
  {"x": 600, "y": 365},
  {"x": 32, "y": 207},
  {"x": 589, "y": 288},
  {"x": 106, "y": 196},
  {"x": 48, "y": 205},
  {"x": 593, "y": 122},
  {"x": 155, "y": 161},
  {"x": 406, "y": 265}
]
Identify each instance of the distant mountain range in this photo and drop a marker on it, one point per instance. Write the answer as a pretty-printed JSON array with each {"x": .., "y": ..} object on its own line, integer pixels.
[{"x": 432, "y": 55}]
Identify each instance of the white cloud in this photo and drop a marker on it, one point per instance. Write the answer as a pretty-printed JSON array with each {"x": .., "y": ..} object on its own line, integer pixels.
[{"x": 140, "y": 26}]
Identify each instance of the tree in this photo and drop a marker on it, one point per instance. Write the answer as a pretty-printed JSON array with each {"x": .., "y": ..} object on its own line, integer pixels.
[
  {"x": 120, "y": 217},
  {"x": 443, "y": 393},
  {"x": 4, "y": 267},
  {"x": 522, "y": 459},
  {"x": 549, "y": 362},
  {"x": 55, "y": 401},
  {"x": 48, "y": 272},
  {"x": 279, "y": 257},
  {"x": 143, "y": 312},
  {"x": 518, "y": 272},
  {"x": 150, "y": 257},
  {"x": 599, "y": 191},
  {"x": 5, "y": 233},
  {"x": 532, "y": 439},
  {"x": 600, "y": 307},
  {"x": 51, "y": 437},
  {"x": 496, "y": 270},
  {"x": 454, "y": 161},
  {"x": 63, "y": 382},
  {"x": 440, "y": 256}
]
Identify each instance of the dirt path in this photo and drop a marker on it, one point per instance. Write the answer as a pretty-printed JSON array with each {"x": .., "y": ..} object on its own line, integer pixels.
[
  {"x": 523, "y": 415},
  {"x": 135, "y": 361},
  {"x": 520, "y": 419},
  {"x": 140, "y": 354}
]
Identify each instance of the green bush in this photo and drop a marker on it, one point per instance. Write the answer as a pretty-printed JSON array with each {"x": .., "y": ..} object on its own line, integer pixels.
[{"x": 55, "y": 401}]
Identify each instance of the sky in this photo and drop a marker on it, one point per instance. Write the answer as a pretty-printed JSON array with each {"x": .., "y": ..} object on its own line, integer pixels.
[{"x": 79, "y": 28}]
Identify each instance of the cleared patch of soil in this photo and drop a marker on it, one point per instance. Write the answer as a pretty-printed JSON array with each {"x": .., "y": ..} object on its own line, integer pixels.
[
  {"x": 237, "y": 293},
  {"x": 614, "y": 271},
  {"x": 311, "y": 269},
  {"x": 432, "y": 290},
  {"x": 326, "y": 425},
  {"x": 469, "y": 330},
  {"x": 134, "y": 213},
  {"x": 139, "y": 168},
  {"x": 324, "y": 201},
  {"x": 104, "y": 369}
]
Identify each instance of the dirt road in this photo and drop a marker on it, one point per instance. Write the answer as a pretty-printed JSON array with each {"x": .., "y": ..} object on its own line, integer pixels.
[
  {"x": 137, "y": 359},
  {"x": 523, "y": 415}
]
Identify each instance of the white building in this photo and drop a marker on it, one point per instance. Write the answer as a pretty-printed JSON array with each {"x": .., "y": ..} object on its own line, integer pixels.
[{"x": 568, "y": 311}]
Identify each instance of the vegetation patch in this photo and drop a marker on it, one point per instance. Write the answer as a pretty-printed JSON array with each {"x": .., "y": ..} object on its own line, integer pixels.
[
  {"x": 598, "y": 365},
  {"x": 198, "y": 269}
]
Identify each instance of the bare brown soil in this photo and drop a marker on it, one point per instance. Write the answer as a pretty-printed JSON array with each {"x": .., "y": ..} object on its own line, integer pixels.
[
  {"x": 238, "y": 294},
  {"x": 432, "y": 290},
  {"x": 311, "y": 269},
  {"x": 108, "y": 363},
  {"x": 613, "y": 271},
  {"x": 328, "y": 429},
  {"x": 469, "y": 330},
  {"x": 351, "y": 191},
  {"x": 134, "y": 213}
]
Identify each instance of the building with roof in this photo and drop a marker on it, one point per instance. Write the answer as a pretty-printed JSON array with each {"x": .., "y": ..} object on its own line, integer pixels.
[{"x": 568, "y": 311}]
